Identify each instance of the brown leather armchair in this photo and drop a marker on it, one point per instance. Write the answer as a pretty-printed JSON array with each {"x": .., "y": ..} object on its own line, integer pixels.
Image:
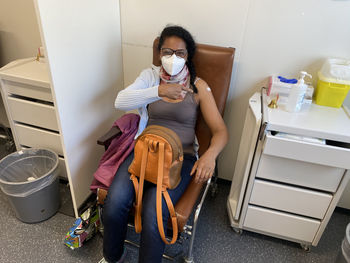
[{"x": 214, "y": 65}]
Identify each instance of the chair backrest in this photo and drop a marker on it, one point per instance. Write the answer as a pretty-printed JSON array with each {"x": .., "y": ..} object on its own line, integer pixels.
[{"x": 214, "y": 65}]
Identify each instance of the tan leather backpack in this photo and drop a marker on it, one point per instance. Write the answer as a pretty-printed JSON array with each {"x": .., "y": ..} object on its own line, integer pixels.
[{"x": 158, "y": 158}]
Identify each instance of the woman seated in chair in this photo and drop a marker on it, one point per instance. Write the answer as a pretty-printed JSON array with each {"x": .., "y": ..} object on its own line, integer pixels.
[{"x": 169, "y": 96}]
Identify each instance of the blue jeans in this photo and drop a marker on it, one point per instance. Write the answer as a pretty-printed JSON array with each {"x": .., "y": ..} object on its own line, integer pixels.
[{"x": 119, "y": 201}]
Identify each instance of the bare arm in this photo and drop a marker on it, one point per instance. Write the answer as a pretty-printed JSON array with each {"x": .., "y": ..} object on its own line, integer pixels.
[{"x": 204, "y": 167}]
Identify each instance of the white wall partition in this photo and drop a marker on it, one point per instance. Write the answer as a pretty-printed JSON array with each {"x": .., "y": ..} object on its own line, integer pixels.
[{"x": 83, "y": 45}]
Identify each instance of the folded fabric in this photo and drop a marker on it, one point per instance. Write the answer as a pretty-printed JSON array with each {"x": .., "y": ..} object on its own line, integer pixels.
[{"x": 118, "y": 150}]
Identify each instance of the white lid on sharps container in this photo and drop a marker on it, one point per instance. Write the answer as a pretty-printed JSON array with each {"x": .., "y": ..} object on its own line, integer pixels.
[{"x": 335, "y": 71}]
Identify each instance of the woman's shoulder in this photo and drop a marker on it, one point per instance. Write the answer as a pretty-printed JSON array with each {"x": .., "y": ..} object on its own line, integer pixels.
[{"x": 201, "y": 84}]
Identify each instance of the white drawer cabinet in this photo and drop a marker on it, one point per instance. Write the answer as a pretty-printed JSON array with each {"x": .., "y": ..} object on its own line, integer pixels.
[
  {"x": 284, "y": 186},
  {"x": 34, "y": 137},
  {"x": 33, "y": 113},
  {"x": 307, "y": 152},
  {"x": 26, "y": 90},
  {"x": 282, "y": 224},
  {"x": 28, "y": 101},
  {"x": 291, "y": 199},
  {"x": 304, "y": 174}
]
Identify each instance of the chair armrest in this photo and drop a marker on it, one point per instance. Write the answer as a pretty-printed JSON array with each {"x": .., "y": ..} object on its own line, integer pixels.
[
  {"x": 101, "y": 196},
  {"x": 111, "y": 134}
]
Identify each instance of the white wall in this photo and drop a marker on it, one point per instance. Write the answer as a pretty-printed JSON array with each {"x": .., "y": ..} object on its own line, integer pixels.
[
  {"x": 271, "y": 37},
  {"x": 285, "y": 37},
  {"x": 19, "y": 35},
  {"x": 19, "y": 32},
  {"x": 143, "y": 21}
]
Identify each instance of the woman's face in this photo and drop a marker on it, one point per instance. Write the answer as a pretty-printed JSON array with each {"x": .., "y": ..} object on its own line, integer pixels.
[{"x": 174, "y": 44}]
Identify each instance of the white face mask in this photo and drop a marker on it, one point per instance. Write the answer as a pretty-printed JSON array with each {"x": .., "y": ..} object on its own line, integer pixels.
[{"x": 173, "y": 65}]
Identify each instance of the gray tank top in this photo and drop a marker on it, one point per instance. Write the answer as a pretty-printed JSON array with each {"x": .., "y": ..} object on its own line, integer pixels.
[{"x": 181, "y": 117}]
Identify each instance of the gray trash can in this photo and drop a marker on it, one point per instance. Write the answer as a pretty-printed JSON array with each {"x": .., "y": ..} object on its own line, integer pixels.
[
  {"x": 29, "y": 178},
  {"x": 344, "y": 254}
]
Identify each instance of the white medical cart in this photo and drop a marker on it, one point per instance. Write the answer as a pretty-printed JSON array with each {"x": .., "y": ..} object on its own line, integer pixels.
[{"x": 289, "y": 187}]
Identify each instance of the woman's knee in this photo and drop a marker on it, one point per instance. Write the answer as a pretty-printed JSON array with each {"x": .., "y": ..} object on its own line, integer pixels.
[{"x": 117, "y": 204}]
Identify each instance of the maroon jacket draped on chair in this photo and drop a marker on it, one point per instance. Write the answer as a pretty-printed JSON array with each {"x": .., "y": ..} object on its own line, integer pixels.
[{"x": 118, "y": 150}]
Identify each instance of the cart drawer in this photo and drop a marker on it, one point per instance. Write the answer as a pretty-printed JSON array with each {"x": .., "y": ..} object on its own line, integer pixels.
[
  {"x": 307, "y": 152},
  {"x": 280, "y": 224},
  {"x": 294, "y": 172},
  {"x": 290, "y": 199},
  {"x": 33, "y": 113},
  {"x": 42, "y": 93},
  {"x": 34, "y": 137}
]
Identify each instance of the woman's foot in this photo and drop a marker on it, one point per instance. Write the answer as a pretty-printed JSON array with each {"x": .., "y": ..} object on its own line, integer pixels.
[{"x": 121, "y": 260}]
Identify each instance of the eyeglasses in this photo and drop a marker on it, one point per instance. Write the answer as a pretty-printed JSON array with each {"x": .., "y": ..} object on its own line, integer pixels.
[{"x": 168, "y": 52}]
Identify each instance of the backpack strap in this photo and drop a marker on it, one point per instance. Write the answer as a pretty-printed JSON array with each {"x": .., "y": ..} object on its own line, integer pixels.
[
  {"x": 160, "y": 190},
  {"x": 139, "y": 187},
  {"x": 135, "y": 182}
]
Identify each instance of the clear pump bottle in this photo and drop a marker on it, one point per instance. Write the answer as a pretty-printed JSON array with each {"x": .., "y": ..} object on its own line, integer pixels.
[{"x": 297, "y": 93}]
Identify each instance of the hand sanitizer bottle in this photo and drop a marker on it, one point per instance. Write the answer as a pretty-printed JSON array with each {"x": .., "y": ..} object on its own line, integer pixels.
[{"x": 297, "y": 93}]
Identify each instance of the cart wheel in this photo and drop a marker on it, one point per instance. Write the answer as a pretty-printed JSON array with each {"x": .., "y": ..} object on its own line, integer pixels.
[
  {"x": 214, "y": 190},
  {"x": 306, "y": 248},
  {"x": 238, "y": 231}
]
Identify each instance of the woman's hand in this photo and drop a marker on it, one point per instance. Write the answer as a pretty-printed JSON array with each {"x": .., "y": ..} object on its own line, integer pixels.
[
  {"x": 204, "y": 167},
  {"x": 172, "y": 91}
]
